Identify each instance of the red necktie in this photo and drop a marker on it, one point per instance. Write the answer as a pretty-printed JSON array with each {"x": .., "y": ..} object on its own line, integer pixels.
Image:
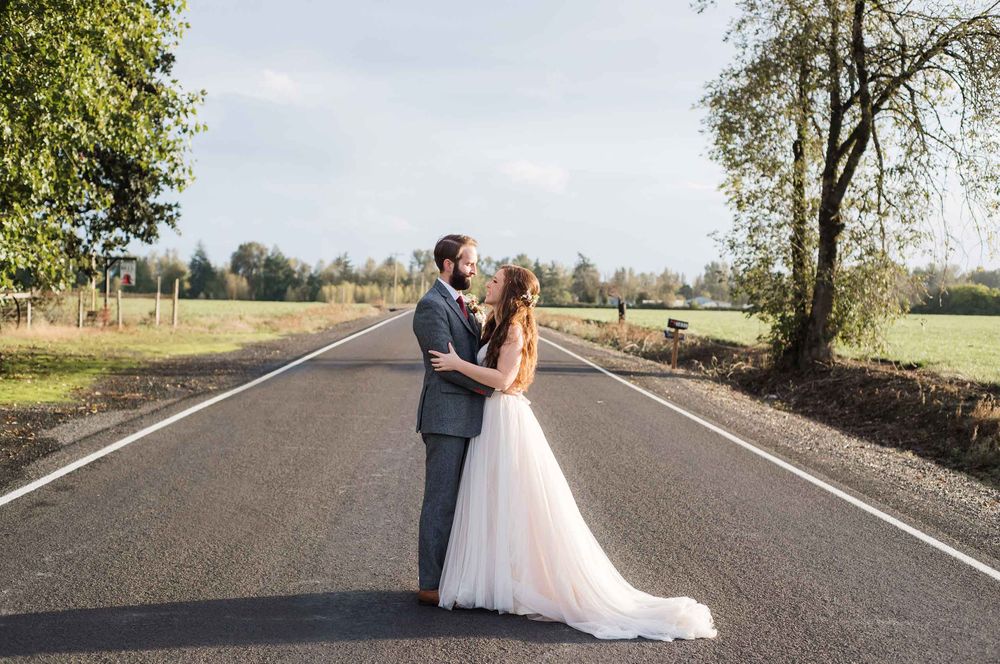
[{"x": 461, "y": 305}]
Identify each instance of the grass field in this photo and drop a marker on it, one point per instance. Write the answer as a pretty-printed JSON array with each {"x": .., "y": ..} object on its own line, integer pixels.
[
  {"x": 963, "y": 346},
  {"x": 49, "y": 362}
]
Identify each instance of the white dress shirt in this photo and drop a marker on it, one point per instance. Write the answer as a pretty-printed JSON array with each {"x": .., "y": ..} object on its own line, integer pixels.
[{"x": 454, "y": 293}]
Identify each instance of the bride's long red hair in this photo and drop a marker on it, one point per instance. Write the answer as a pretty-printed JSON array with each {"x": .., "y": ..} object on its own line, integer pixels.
[{"x": 516, "y": 307}]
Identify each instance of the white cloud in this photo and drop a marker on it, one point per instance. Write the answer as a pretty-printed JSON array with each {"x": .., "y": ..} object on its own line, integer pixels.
[
  {"x": 546, "y": 177},
  {"x": 278, "y": 87},
  {"x": 399, "y": 224}
]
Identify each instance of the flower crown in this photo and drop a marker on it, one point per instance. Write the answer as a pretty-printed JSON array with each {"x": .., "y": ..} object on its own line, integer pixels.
[{"x": 532, "y": 300}]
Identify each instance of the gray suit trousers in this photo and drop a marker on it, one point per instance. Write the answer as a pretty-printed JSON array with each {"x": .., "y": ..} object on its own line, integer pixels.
[{"x": 445, "y": 456}]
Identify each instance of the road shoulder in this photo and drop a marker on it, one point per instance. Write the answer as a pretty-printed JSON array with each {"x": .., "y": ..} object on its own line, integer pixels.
[
  {"x": 947, "y": 504},
  {"x": 37, "y": 440}
]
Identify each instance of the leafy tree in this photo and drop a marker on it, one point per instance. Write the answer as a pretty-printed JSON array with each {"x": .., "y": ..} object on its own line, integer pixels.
[
  {"x": 423, "y": 270},
  {"x": 235, "y": 286},
  {"x": 988, "y": 278},
  {"x": 248, "y": 262},
  {"x": 386, "y": 271},
  {"x": 967, "y": 299},
  {"x": 715, "y": 281},
  {"x": 202, "y": 276},
  {"x": 668, "y": 284},
  {"x": 555, "y": 282},
  {"x": 303, "y": 282},
  {"x": 170, "y": 267},
  {"x": 837, "y": 125},
  {"x": 586, "y": 285},
  {"x": 522, "y": 260},
  {"x": 277, "y": 276},
  {"x": 487, "y": 265},
  {"x": 341, "y": 269},
  {"x": 645, "y": 283},
  {"x": 937, "y": 278},
  {"x": 368, "y": 273},
  {"x": 145, "y": 275},
  {"x": 94, "y": 132},
  {"x": 624, "y": 283},
  {"x": 313, "y": 283}
]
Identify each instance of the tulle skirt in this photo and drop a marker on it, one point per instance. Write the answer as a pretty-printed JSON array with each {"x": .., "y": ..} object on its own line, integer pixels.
[{"x": 520, "y": 545}]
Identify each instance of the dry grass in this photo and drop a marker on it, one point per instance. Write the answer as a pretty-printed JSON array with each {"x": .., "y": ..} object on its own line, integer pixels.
[{"x": 51, "y": 361}]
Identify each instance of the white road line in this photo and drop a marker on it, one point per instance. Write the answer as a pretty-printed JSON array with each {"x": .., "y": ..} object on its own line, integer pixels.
[
  {"x": 28, "y": 488},
  {"x": 924, "y": 537}
]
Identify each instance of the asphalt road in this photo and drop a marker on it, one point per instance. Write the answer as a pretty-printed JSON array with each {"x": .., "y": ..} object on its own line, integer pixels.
[{"x": 280, "y": 525}]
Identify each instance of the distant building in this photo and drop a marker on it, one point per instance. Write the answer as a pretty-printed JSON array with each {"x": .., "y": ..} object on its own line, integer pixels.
[
  {"x": 675, "y": 303},
  {"x": 703, "y": 302}
]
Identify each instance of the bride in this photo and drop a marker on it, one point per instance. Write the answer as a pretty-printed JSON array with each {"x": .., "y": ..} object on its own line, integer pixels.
[{"x": 518, "y": 542}]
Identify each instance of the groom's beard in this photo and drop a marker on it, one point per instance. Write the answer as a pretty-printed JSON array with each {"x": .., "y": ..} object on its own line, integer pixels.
[{"x": 460, "y": 282}]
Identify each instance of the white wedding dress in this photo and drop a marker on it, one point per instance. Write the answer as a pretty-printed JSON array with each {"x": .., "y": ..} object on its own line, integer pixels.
[{"x": 520, "y": 545}]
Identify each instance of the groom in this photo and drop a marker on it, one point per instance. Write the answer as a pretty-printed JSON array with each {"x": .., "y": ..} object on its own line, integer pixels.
[{"x": 451, "y": 405}]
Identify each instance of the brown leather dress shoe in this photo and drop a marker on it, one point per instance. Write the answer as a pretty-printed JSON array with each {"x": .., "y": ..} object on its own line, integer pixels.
[{"x": 428, "y": 597}]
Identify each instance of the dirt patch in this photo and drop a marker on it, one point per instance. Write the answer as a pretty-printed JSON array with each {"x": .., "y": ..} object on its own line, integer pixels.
[
  {"x": 953, "y": 422},
  {"x": 30, "y": 432}
]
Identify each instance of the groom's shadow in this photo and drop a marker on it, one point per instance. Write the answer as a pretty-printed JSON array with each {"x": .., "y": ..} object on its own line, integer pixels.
[{"x": 287, "y": 619}]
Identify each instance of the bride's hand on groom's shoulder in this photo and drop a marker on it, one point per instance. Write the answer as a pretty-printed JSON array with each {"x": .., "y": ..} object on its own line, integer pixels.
[{"x": 445, "y": 361}]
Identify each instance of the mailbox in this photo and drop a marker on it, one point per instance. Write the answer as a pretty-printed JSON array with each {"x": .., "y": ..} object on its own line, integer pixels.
[{"x": 673, "y": 331}]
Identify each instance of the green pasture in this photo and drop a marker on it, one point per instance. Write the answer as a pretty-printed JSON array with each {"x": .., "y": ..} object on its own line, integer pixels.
[
  {"x": 962, "y": 346},
  {"x": 48, "y": 363}
]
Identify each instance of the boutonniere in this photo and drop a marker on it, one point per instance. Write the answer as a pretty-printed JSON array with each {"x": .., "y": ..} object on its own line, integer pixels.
[{"x": 476, "y": 309}]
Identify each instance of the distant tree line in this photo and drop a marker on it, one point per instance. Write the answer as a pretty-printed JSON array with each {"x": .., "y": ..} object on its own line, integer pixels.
[
  {"x": 254, "y": 272},
  {"x": 949, "y": 291}
]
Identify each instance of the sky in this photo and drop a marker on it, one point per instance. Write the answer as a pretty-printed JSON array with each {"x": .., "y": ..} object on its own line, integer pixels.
[{"x": 374, "y": 128}]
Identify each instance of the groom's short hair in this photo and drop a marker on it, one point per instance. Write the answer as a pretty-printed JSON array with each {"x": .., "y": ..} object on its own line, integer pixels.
[{"x": 449, "y": 247}]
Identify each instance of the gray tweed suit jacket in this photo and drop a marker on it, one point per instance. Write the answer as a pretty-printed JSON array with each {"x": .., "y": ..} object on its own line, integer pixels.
[{"x": 450, "y": 403}]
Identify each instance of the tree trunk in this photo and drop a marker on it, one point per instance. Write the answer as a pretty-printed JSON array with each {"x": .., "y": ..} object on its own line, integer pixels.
[
  {"x": 800, "y": 225},
  {"x": 817, "y": 338},
  {"x": 818, "y": 334}
]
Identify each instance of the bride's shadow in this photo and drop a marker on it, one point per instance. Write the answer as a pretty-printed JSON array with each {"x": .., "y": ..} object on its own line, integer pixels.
[{"x": 305, "y": 618}]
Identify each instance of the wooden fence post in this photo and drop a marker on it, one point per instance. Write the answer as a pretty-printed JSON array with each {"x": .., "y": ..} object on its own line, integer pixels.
[
  {"x": 80, "y": 318},
  {"x": 177, "y": 291},
  {"x": 29, "y": 312},
  {"x": 158, "y": 301},
  {"x": 119, "y": 303}
]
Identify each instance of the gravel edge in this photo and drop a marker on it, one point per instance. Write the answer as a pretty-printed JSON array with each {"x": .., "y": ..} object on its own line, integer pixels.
[
  {"x": 949, "y": 505},
  {"x": 124, "y": 402}
]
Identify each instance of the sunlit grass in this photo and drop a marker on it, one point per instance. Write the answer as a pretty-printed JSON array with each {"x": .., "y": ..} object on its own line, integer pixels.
[
  {"x": 960, "y": 346},
  {"x": 48, "y": 363},
  {"x": 732, "y": 326}
]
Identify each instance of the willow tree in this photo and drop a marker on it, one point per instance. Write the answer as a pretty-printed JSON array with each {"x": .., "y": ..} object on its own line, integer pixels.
[
  {"x": 94, "y": 132},
  {"x": 842, "y": 127}
]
